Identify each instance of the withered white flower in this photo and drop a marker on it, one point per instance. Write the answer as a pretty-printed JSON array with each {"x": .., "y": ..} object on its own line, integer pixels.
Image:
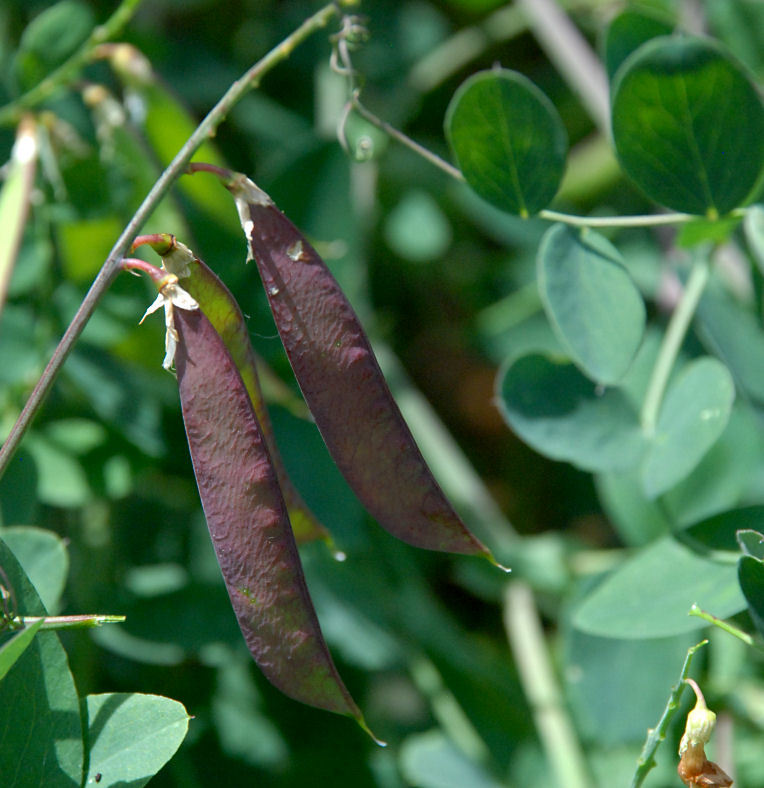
[{"x": 171, "y": 295}]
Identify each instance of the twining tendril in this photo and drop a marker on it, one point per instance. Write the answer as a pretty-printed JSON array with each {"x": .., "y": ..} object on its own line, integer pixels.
[{"x": 351, "y": 36}]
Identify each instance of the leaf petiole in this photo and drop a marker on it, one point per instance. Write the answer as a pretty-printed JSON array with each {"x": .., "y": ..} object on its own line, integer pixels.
[
  {"x": 645, "y": 220},
  {"x": 672, "y": 341},
  {"x": 64, "y": 622}
]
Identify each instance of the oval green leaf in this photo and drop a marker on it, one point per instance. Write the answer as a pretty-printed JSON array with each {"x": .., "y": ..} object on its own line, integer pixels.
[
  {"x": 563, "y": 415},
  {"x": 131, "y": 736},
  {"x": 688, "y": 125},
  {"x": 627, "y": 32},
  {"x": 650, "y": 595},
  {"x": 751, "y": 576},
  {"x": 12, "y": 649},
  {"x": 591, "y": 300},
  {"x": 45, "y": 559},
  {"x": 693, "y": 416},
  {"x": 508, "y": 140},
  {"x": 732, "y": 331},
  {"x": 751, "y": 542},
  {"x": 41, "y": 738}
]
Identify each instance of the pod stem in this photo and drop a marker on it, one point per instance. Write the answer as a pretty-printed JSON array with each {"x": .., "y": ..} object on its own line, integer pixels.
[
  {"x": 174, "y": 170},
  {"x": 157, "y": 275}
]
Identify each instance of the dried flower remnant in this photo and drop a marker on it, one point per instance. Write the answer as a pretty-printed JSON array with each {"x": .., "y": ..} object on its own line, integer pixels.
[
  {"x": 694, "y": 768},
  {"x": 171, "y": 295}
]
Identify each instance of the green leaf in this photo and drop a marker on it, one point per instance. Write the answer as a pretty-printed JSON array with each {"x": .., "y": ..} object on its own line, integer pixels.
[
  {"x": 40, "y": 728},
  {"x": 650, "y": 595},
  {"x": 599, "y": 675},
  {"x": 627, "y": 32},
  {"x": 751, "y": 576},
  {"x": 244, "y": 729},
  {"x": 50, "y": 38},
  {"x": 753, "y": 227},
  {"x": 723, "y": 531},
  {"x": 61, "y": 478},
  {"x": 417, "y": 229},
  {"x": 430, "y": 760},
  {"x": 591, "y": 301},
  {"x": 752, "y": 543},
  {"x": 18, "y": 486},
  {"x": 12, "y": 649},
  {"x": 688, "y": 125},
  {"x": 565, "y": 416},
  {"x": 715, "y": 231},
  {"x": 43, "y": 556},
  {"x": 508, "y": 140},
  {"x": 693, "y": 416},
  {"x": 733, "y": 333},
  {"x": 131, "y": 736}
]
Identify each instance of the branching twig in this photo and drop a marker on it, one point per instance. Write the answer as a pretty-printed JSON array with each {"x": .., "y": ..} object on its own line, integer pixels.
[
  {"x": 175, "y": 169},
  {"x": 656, "y": 735}
]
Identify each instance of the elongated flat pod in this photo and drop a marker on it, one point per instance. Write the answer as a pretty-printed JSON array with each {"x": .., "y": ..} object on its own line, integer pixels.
[
  {"x": 343, "y": 385},
  {"x": 221, "y": 309},
  {"x": 248, "y": 522}
]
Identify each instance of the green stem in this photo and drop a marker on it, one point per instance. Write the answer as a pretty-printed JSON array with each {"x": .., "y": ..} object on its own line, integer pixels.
[
  {"x": 646, "y": 220},
  {"x": 555, "y": 729},
  {"x": 405, "y": 140},
  {"x": 672, "y": 341},
  {"x": 66, "y": 622},
  {"x": 67, "y": 72},
  {"x": 175, "y": 169},
  {"x": 718, "y": 622},
  {"x": 649, "y": 220},
  {"x": 658, "y": 734}
]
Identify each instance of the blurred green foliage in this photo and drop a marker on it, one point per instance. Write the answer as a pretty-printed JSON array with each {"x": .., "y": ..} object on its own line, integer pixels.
[{"x": 442, "y": 281}]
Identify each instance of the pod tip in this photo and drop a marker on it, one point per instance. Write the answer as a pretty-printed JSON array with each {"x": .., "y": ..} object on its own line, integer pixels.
[
  {"x": 489, "y": 555},
  {"x": 362, "y": 723}
]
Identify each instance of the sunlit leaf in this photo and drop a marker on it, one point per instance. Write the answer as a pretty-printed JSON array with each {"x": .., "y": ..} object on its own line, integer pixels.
[
  {"x": 131, "y": 736},
  {"x": 651, "y": 594},
  {"x": 41, "y": 740},
  {"x": 508, "y": 140},
  {"x": 688, "y": 125}
]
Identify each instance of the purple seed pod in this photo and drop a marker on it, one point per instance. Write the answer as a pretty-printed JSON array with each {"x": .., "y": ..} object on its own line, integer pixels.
[
  {"x": 248, "y": 522},
  {"x": 342, "y": 383},
  {"x": 221, "y": 309}
]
